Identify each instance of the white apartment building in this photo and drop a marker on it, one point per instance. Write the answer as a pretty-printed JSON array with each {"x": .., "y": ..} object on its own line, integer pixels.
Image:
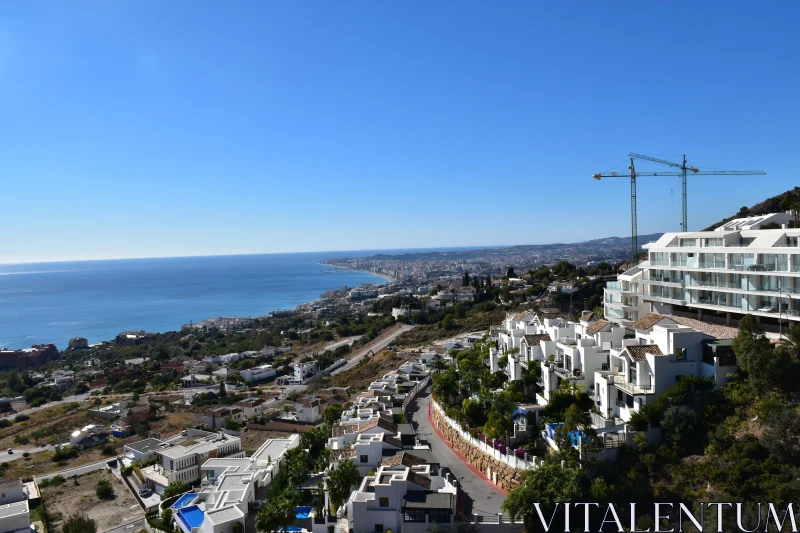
[
  {"x": 251, "y": 407},
  {"x": 642, "y": 368},
  {"x": 15, "y": 518},
  {"x": 736, "y": 269},
  {"x": 182, "y": 462},
  {"x": 258, "y": 373},
  {"x": 403, "y": 498},
  {"x": 223, "y": 359},
  {"x": 303, "y": 371}
]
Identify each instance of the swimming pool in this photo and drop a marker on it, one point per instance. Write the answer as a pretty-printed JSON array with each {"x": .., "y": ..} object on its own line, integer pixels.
[
  {"x": 184, "y": 500},
  {"x": 303, "y": 512},
  {"x": 191, "y": 516}
]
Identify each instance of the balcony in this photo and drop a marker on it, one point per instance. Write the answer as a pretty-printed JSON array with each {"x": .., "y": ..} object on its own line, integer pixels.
[
  {"x": 621, "y": 382},
  {"x": 566, "y": 373},
  {"x": 599, "y": 421},
  {"x": 614, "y": 286}
]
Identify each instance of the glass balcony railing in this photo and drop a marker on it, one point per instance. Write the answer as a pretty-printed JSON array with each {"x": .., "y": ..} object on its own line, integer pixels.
[{"x": 614, "y": 286}]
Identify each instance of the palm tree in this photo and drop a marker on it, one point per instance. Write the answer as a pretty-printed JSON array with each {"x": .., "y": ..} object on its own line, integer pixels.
[
  {"x": 791, "y": 340},
  {"x": 341, "y": 481}
]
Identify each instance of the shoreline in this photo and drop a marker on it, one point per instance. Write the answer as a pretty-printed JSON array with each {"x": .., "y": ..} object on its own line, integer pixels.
[
  {"x": 389, "y": 278},
  {"x": 266, "y": 315}
]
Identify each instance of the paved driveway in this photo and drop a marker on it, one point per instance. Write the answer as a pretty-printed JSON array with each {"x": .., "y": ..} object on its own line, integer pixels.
[{"x": 479, "y": 496}]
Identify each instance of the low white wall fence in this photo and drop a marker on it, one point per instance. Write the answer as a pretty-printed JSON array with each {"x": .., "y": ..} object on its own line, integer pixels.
[{"x": 509, "y": 457}]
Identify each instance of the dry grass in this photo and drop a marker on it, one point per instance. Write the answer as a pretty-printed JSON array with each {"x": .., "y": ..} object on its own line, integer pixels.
[
  {"x": 431, "y": 332},
  {"x": 254, "y": 438},
  {"x": 48, "y": 425},
  {"x": 367, "y": 370},
  {"x": 68, "y": 499}
]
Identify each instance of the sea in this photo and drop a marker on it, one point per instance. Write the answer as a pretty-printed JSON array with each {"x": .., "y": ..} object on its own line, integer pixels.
[{"x": 54, "y": 302}]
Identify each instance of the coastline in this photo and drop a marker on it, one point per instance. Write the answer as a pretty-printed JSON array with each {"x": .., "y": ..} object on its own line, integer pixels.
[
  {"x": 387, "y": 277},
  {"x": 61, "y": 333}
]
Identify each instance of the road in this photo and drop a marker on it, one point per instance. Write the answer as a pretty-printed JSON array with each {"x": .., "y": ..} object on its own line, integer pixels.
[
  {"x": 479, "y": 496},
  {"x": 79, "y": 470},
  {"x": 76, "y": 398},
  {"x": 130, "y": 527},
  {"x": 348, "y": 340},
  {"x": 375, "y": 347},
  {"x": 19, "y": 451}
]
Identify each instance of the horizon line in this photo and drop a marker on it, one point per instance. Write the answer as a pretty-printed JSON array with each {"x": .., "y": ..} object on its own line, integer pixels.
[{"x": 432, "y": 248}]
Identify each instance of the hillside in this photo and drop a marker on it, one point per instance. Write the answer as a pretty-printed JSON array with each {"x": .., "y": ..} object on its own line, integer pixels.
[
  {"x": 770, "y": 205},
  {"x": 605, "y": 247}
]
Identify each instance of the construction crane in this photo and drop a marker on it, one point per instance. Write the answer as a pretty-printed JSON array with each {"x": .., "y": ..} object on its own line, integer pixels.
[
  {"x": 684, "y": 168},
  {"x": 634, "y": 174}
]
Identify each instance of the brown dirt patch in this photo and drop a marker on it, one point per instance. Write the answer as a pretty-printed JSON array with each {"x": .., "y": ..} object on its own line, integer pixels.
[
  {"x": 367, "y": 370},
  {"x": 68, "y": 499}
]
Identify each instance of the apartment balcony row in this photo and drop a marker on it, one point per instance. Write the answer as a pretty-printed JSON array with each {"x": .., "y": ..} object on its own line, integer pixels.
[
  {"x": 569, "y": 373},
  {"x": 737, "y": 267}
]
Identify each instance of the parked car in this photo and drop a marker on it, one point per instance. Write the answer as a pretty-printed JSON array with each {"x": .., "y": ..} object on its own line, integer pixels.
[
  {"x": 10, "y": 451},
  {"x": 145, "y": 492}
]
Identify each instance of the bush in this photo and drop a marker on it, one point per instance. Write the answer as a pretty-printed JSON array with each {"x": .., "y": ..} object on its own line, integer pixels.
[
  {"x": 21, "y": 418},
  {"x": 5, "y": 423},
  {"x": 54, "y": 481},
  {"x": 38, "y": 402},
  {"x": 108, "y": 450},
  {"x": 79, "y": 524},
  {"x": 65, "y": 453},
  {"x": 104, "y": 490}
]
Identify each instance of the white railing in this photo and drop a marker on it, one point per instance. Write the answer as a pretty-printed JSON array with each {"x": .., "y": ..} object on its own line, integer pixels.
[{"x": 508, "y": 458}]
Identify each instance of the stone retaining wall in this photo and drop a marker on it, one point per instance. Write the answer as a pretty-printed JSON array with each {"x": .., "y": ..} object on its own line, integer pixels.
[{"x": 499, "y": 473}]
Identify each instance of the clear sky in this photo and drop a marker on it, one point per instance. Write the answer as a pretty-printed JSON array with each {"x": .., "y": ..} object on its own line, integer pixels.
[{"x": 152, "y": 128}]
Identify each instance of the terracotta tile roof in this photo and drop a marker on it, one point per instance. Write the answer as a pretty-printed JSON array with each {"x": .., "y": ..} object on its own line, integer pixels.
[
  {"x": 388, "y": 426},
  {"x": 639, "y": 352},
  {"x": 403, "y": 458},
  {"x": 391, "y": 440},
  {"x": 715, "y": 330},
  {"x": 534, "y": 339},
  {"x": 550, "y": 311},
  {"x": 520, "y": 316},
  {"x": 588, "y": 317},
  {"x": 417, "y": 479},
  {"x": 340, "y": 455},
  {"x": 338, "y": 431},
  {"x": 596, "y": 327},
  {"x": 648, "y": 321},
  {"x": 386, "y": 416}
]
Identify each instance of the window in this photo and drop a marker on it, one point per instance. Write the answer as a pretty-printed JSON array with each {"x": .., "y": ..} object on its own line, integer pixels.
[
  {"x": 383, "y": 502},
  {"x": 632, "y": 373},
  {"x": 364, "y": 458},
  {"x": 440, "y": 516},
  {"x": 681, "y": 354},
  {"x": 379, "y": 528},
  {"x": 414, "y": 515}
]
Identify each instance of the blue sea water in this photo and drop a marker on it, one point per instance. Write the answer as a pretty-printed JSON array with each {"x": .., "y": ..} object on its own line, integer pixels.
[{"x": 53, "y": 302}]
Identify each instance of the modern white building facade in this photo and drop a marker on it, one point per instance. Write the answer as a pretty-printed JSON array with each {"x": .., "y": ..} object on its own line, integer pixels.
[{"x": 736, "y": 269}]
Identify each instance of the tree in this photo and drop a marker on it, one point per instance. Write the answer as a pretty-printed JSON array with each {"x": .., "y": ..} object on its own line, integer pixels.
[
  {"x": 166, "y": 517},
  {"x": 315, "y": 440},
  {"x": 501, "y": 418},
  {"x": 222, "y": 391},
  {"x": 104, "y": 490},
  {"x": 79, "y": 523},
  {"x": 510, "y": 272},
  {"x": 791, "y": 340},
  {"x": 238, "y": 527},
  {"x": 341, "y": 481},
  {"x": 548, "y": 484},
  {"x": 175, "y": 488},
  {"x": 782, "y": 436},
  {"x": 298, "y": 466},
  {"x": 278, "y": 513},
  {"x": 333, "y": 414}
]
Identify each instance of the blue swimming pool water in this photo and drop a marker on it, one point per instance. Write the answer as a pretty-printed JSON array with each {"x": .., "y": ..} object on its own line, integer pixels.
[
  {"x": 184, "y": 500},
  {"x": 191, "y": 516},
  {"x": 303, "y": 512}
]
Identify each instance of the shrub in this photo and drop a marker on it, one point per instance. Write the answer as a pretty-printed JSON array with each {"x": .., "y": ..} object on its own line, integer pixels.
[
  {"x": 38, "y": 402},
  {"x": 21, "y": 439},
  {"x": 4, "y": 423},
  {"x": 108, "y": 450},
  {"x": 104, "y": 490},
  {"x": 65, "y": 453},
  {"x": 21, "y": 418},
  {"x": 79, "y": 524}
]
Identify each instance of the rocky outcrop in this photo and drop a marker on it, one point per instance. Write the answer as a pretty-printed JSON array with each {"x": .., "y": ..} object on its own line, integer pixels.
[{"x": 499, "y": 473}]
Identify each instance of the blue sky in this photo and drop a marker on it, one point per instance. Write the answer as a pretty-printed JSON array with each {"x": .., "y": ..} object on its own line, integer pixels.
[{"x": 148, "y": 128}]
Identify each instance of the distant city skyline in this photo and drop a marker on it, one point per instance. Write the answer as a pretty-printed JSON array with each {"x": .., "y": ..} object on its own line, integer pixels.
[{"x": 150, "y": 129}]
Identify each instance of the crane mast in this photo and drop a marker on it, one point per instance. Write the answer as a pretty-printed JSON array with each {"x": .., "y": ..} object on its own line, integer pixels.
[{"x": 684, "y": 170}]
